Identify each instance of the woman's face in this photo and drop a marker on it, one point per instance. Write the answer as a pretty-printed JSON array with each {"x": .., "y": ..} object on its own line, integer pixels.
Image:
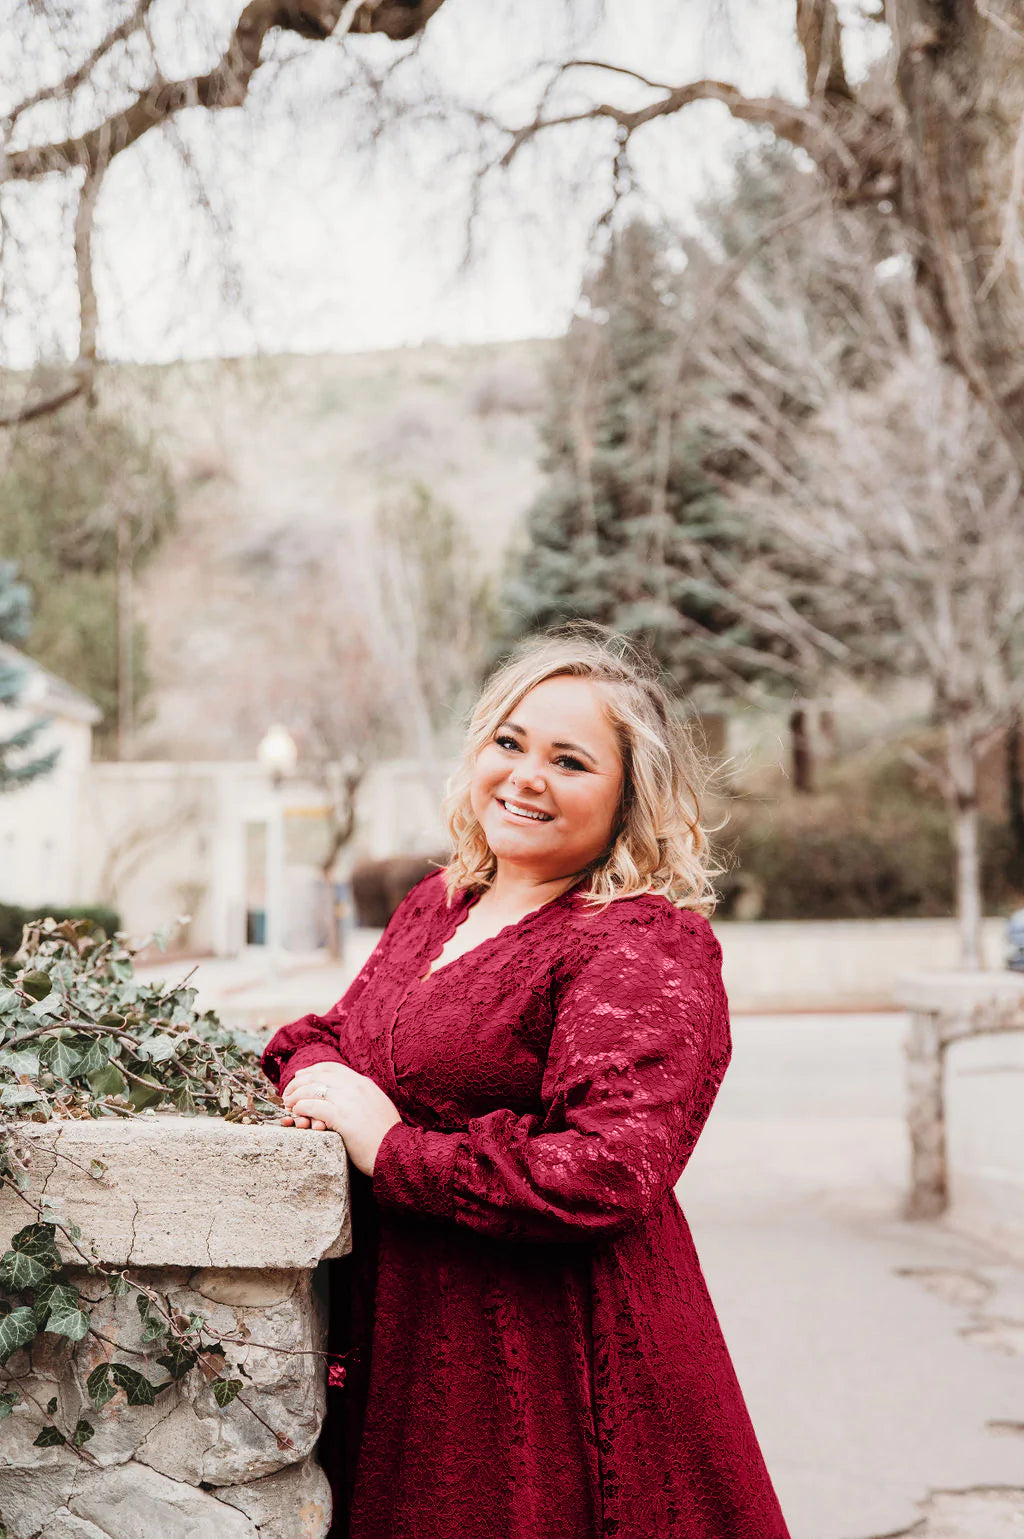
[{"x": 556, "y": 758}]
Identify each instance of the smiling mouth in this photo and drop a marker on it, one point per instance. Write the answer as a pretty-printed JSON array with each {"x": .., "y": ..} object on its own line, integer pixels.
[{"x": 529, "y": 814}]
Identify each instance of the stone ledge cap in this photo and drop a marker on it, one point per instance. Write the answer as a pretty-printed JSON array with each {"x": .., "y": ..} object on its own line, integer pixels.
[
  {"x": 959, "y": 989},
  {"x": 190, "y": 1191}
]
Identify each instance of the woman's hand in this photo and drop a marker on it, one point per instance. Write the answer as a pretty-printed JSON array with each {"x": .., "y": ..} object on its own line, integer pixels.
[
  {"x": 331, "y": 1095},
  {"x": 288, "y": 1120}
]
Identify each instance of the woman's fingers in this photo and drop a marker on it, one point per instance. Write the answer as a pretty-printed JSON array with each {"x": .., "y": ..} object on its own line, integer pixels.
[{"x": 298, "y": 1120}]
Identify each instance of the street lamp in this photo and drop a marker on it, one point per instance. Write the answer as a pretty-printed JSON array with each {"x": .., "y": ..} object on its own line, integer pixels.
[{"x": 277, "y": 755}]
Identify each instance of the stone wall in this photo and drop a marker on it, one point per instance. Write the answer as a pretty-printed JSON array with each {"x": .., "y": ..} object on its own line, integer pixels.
[
  {"x": 228, "y": 1221},
  {"x": 985, "y": 1096}
]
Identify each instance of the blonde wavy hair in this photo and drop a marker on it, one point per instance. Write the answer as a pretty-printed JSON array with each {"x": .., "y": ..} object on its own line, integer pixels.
[{"x": 658, "y": 843}]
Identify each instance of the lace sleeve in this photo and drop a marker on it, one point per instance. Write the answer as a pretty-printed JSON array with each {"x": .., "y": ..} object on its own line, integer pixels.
[
  {"x": 640, "y": 1045},
  {"x": 320, "y": 1038}
]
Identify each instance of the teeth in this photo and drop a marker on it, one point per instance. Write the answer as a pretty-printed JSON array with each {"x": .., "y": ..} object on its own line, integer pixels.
[{"x": 526, "y": 812}]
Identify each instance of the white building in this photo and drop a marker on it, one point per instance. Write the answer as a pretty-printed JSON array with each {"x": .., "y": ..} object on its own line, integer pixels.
[
  {"x": 40, "y": 822},
  {"x": 162, "y": 840}
]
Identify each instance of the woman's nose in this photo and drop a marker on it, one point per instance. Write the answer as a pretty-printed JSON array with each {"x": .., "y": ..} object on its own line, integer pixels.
[{"x": 528, "y": 774}]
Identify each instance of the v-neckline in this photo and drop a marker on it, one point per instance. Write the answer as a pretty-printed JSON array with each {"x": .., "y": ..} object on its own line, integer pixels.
[{"x": 469, "y": 900}]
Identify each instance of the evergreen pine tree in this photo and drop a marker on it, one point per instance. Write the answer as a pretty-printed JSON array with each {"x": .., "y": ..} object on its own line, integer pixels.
[
  {"x": 623, "y": 530},
  {"x": 15, "y": 609}
]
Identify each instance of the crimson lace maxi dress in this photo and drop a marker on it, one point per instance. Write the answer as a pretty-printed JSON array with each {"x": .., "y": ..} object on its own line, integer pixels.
[{"x": 535, "y": 1352}]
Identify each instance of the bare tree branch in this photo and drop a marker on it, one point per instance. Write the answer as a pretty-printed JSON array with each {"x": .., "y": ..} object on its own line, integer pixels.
[
  {"x": 88, "y": 323},
  {"x": 820, "y": 36},
  {"x": 43, "y": 405},
  {"x": 81, "y": 72},
  {"x": 796, "y": 124},
  {"x": 226, "y": 85}
]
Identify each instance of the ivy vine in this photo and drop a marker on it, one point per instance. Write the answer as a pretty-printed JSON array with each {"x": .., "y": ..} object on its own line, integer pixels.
[{"x": 82, "y": 1037}]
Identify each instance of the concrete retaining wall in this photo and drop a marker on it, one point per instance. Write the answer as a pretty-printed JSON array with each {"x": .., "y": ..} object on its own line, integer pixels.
[{"x": 819, "y": 964}]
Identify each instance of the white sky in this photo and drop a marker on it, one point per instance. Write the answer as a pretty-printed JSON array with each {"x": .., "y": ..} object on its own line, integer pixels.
[{"x": 333, "y": 251}]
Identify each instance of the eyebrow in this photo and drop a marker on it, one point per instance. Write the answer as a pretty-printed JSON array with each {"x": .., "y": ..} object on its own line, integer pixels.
[{"x": 573, "y": 747}]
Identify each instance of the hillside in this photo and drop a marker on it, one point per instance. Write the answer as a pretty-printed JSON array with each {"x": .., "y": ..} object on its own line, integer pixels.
[{"x": 282, "y": 456}]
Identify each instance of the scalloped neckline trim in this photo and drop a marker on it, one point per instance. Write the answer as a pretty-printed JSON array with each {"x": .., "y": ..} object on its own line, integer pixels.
[{"x": 469, "y": 901}]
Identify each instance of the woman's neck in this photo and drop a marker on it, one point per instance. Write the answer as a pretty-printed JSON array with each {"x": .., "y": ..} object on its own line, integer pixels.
[{"x": 515, "y": 891}]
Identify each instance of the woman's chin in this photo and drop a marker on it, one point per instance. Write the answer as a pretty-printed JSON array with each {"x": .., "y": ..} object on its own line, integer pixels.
[{"x": 506, "y": 837}]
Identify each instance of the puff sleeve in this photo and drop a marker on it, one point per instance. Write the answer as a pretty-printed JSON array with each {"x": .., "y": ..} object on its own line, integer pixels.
[{"x": 639, "y": 1047}]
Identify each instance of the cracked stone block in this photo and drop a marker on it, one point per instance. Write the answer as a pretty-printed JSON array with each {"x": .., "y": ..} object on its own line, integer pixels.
[
  {"x": 29, "y": 1497},
  {"x": 133, "y": 1502},
  {"x": 187, "y": 1189},
  {"x": 66, "y": 1526},
  {"x": 292, "y": 1506},
  {"x": 269, "y": 1287},
  {"x": 186, "y": 1435}
]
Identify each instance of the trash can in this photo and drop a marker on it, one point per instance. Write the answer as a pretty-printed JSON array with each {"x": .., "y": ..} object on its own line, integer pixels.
[{"x": 1015, "y": 941}]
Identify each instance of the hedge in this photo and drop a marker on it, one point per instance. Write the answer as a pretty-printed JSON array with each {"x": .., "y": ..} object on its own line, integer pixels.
[
  {"x": 826, "y": 865},
  {"x": 13, "y": 919}
]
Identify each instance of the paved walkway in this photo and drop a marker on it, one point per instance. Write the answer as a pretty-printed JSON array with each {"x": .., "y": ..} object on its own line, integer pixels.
[
  {"x": 247, "y": 994},
  {"x": 883, "y": 1361}
]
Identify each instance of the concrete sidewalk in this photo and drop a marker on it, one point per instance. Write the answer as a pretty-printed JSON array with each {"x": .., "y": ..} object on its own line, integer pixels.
[
  {"x": 246, "y": 995},
  {"x": 883, "y": 1361}
]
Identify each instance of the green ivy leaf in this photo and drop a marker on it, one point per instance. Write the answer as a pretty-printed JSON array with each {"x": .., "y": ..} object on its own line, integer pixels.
[
  {"x": 36, "y": 984},
  {"x": 184, "y": 1100},
  {"x": 49, "y": 1437},
  {"x": 153, "y": 1328},
  {"x": 18, "y": 1271},
  {"x": 158, "y": 1048},
  {"x": 17, "y": 1329},
  {"x": 119, "y": 1285},
  {"x": 84, "y": 1430},
  {"x": 72, "y": 1323},
  {"x": 93, "y": 1058},
  {"x": 108, "y": 1081},
  {"x": 225, "y": 1390},
  {"x": 138, "y": 1390},
  {"x": 178, "y": 1360},
  {"x": 20, "y": 1061},
  {"x": 99, "y": 1387},
  {"x": 38, "y": 1240},
  {"x": 8, "y": 1400},
  {"x": 20, "y": 1095},
  {"x": 145, "y": 1094},
  {"x": 60, "y": 1056},
  {"x": 53, "y": 1295},
  {"x": 51, "y": 1406}
]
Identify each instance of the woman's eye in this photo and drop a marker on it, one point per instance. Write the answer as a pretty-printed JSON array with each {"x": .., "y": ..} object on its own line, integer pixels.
[
  {"x": 567, "y": 758},
  {"x": 506, "y": 742}
]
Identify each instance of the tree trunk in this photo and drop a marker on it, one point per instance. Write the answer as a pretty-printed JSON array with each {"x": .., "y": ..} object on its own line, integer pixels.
[
  {"x": 125, "y": 640},
  {"x": 961, "y": 86},
  {"x": 801, "y": 752},
  {"x": 926, "y": 1117},
  {"x": 963, "y": 775},
  {"x": 334, "y": 933},
  {"x": 1015, "y": 799}
]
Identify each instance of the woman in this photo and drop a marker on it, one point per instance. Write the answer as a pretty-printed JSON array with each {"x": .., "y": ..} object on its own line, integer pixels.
[{"x": 520, "y": 1073}]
